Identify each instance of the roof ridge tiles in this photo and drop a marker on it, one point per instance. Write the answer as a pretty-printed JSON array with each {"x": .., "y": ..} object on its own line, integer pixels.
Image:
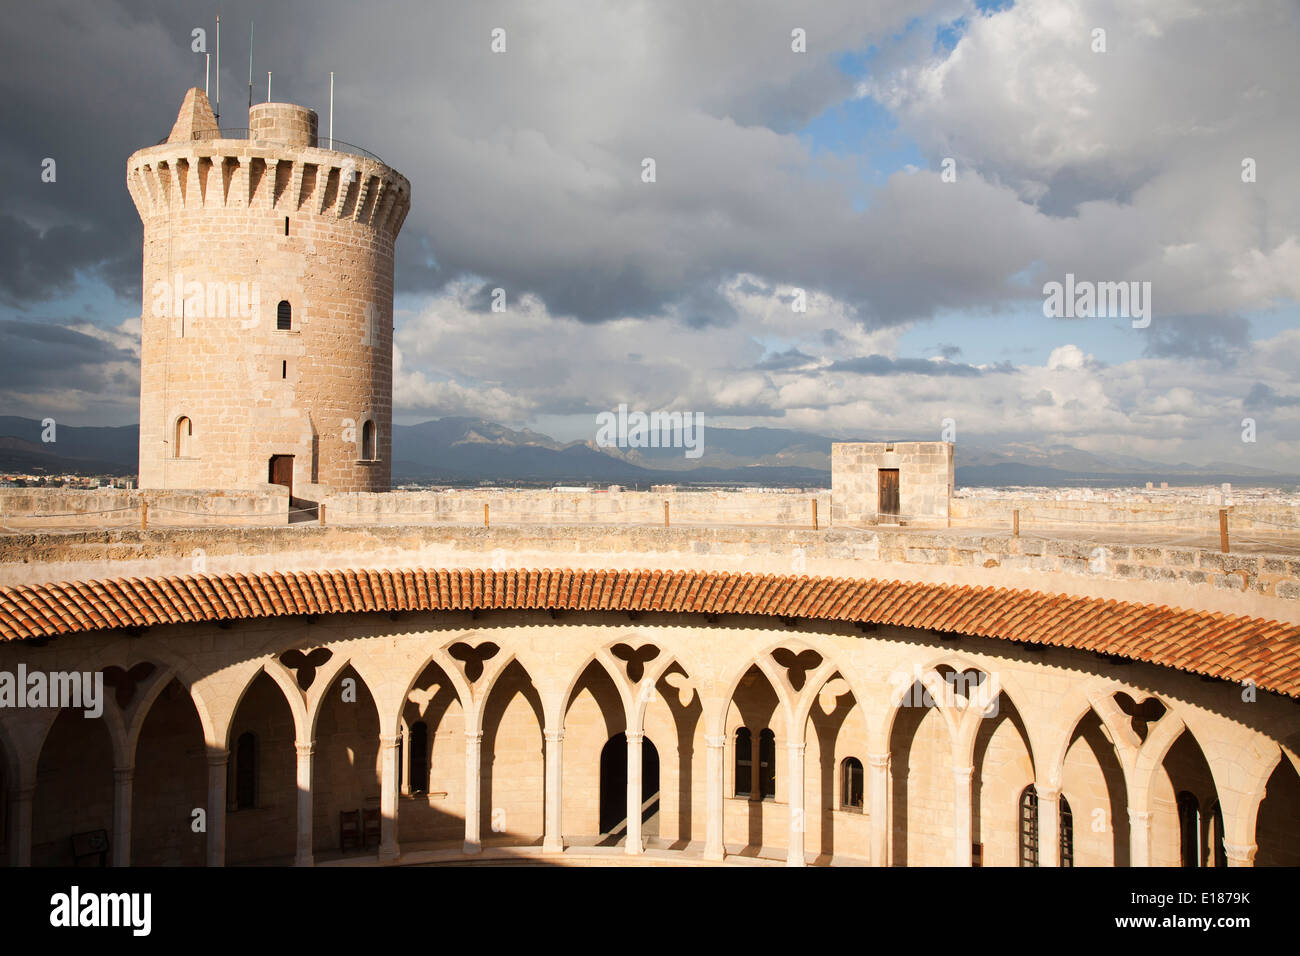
[{"x": 1216, "y": 643}]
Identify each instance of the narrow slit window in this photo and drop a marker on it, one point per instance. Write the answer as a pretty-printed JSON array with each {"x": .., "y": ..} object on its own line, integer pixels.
[
  {"x": 851, "y": 784},
  {"x": 286, "y": 225},
  {"x": 767, "y": 764},
  {"x": 184, "y": 433},
  {"x": 1067, "y": 833},
  {"x": 284, "y": 368},
  {"x": 1029, "y": 826},
  {"x": 369, "y": 442},
  {"x": 284, "y": 316}
]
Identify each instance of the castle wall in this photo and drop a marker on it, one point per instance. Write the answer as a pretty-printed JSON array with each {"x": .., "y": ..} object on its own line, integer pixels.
[{"x": 1264, "y": 585}]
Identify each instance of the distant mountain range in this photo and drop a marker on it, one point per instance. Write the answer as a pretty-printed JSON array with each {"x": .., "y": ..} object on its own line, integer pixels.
[{"x": 471, "y": 450}]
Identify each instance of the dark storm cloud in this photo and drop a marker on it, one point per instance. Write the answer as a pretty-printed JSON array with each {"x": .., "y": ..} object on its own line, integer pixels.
[
  {"x": 39, "y": 355},
  {"x": 1264, "y": 397},
  {"x": 784, "y": 361},
  {"x": 1222, "y": 339},
  {"x": 884, "y": 365},
  {"x": 524, "y": 169}
]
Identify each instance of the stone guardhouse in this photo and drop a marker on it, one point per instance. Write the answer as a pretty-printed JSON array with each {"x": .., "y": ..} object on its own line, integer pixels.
[{"x": 891, "y": 483}]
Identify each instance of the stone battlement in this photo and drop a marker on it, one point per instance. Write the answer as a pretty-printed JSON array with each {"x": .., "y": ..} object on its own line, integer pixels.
[
  {"x": 218, "y": 174},
  {"x": 1263, "y": 585}
]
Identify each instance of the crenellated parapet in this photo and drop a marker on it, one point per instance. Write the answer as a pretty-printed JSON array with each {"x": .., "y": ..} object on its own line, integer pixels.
[{"x": 230, "y": 174}]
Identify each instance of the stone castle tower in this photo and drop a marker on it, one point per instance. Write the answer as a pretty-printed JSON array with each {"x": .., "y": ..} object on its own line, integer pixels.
[{"x": 267, "y": 329}]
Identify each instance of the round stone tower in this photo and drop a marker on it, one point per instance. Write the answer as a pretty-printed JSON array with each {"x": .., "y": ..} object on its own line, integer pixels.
[{"x": 267, "y": 330}]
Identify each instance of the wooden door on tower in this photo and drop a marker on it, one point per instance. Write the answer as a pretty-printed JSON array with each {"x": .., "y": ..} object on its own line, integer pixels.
[{"x": 281, "y": 471}]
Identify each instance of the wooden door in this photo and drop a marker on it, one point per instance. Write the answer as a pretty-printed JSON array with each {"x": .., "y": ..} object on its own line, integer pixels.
[
  {"x": 888, "y": 486},
  {"x": 281, "y": 471}
]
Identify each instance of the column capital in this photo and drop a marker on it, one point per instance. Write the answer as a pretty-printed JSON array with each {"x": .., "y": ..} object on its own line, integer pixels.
[
  {"x": 795, "y": 748},
  {"x": 1046, "y": 791},
  {"x": 1239, "y": 855},
  {"x": 635, "y": 737},
  {"x": 717, "y": 743},
  {"x": 304, "y": 749},
  {"x": 123, "y": 774},
  {"x": 473, "y": 736},
  {"x": 218, "y": 758},
  {"x": 389, "y": 741},
  {"x": 878, "y": 761},
  {"x": 1138, "y": 818},
  {"x": 553, "y": 736},
  {"x": 963, "y": 773}
]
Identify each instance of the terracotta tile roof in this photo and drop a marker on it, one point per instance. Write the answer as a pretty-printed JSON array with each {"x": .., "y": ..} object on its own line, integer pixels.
[{"x": 1201, "y": 642}]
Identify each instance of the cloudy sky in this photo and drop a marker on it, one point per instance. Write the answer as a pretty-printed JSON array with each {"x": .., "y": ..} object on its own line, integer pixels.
[{"x": 775, "y": 171}]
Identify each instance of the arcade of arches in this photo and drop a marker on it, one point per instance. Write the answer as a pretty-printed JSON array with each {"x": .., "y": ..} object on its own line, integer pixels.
[{"x": 303, "y": 740}]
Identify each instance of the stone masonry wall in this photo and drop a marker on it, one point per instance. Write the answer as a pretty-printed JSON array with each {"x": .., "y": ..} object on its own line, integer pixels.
[
  {"x": 925, "y": 481},
  {"x": 1256, "y": 584}
]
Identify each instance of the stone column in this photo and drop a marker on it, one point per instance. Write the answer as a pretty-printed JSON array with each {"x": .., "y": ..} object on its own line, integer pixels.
[
  {"x": 961, "y": 811},
  {"x": 388, "y": 847},
  {"x": 1049, "y": 824},
  {"x": 1139, "y": 837},
  {"x": 217, "y": 759},
  {"x": 553, "y": 839},
  {"x": 404, "y": 765},
  {"x": 798, "y": 824},
  {"x": 1240, "y": 855},
  {"x": 634, "y": 845},
  {"x": 303, "y": 853},
  {"x": 714, "y": 787},
  {"x": 473, "y": 781},
  {"x": 123, "y": 784},
  {"x": 20, "y": 823},
  {"x": 878, "y": 797}
]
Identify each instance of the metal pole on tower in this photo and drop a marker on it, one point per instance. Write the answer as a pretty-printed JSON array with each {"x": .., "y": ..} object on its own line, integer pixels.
[
  {"x": 268, "y": 86},
  {"x": 250, "y": 64},
  {"x": 207, "y": 72},
  {"x": 331, "y": 109},
  {"x": 217, "y": 112}
]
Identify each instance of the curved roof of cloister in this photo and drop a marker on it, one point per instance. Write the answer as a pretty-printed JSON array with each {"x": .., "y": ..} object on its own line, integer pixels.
[{"x": 1214, "y": 644}]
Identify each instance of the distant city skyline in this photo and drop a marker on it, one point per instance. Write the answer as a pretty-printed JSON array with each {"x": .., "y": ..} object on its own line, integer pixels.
[{"x": 775, "y": 171}]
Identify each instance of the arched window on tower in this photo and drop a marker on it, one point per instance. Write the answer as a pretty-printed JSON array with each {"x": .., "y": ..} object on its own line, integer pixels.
[
  {"x": 1029, "y": 826},
  {"x": 744, "y": 762},
  {"x": 246, "y": 771},
  {"x": 1189, "y": 829},
  {"x": 766, "y": 764},
  {"x": 284, "y": 316},
  {"x": 183, "y": 439},
  {"x": 851, "y": 784},
  {"x": 369, "y": 441}
]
